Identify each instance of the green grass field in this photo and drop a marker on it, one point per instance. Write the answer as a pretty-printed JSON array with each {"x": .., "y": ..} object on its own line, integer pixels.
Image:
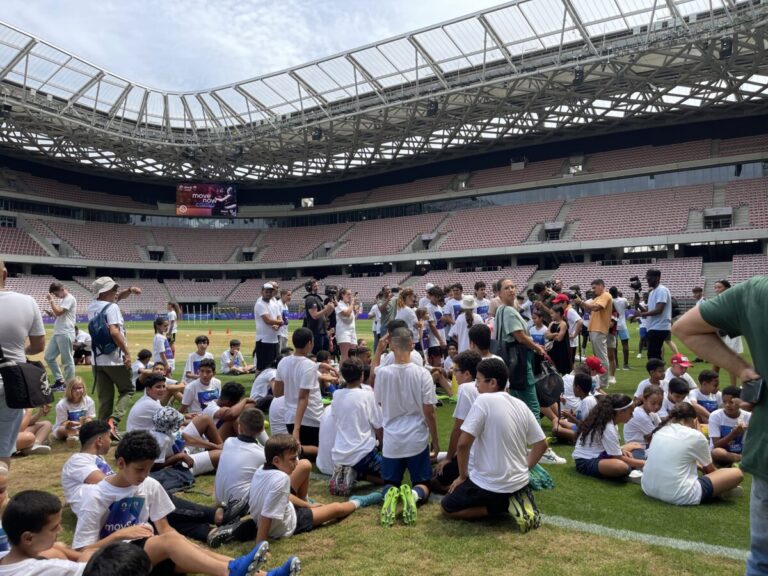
[{"x": 436, "y": 546}]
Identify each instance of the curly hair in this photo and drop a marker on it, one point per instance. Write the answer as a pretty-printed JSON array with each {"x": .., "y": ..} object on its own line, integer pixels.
[
  {"x": 592, "y": 427},
  {"x": 137, "y": 446}
]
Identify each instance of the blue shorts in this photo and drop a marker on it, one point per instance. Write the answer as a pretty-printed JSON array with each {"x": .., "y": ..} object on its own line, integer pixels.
[
  {"x": 643, "y": 332},
  {"x": 419, "y": 466},
  {"x": 707, "y": 490},
  {"x": 588, "y": 466},
  {"x": 370, "y": 465},
  {"x": 623, "y": 334}
]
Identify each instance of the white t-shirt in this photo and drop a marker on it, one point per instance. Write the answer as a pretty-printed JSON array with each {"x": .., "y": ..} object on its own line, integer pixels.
[
  {"x": 227, "y": 357},
  {"x": 197, "y": 395},
  {"x": 238, "y": 462},
  {"x": 41, "y": 567},
  {"x": 262, "y": 383},
  {"x": 710, "y": 402},
  {"x": 503, "y": 427},
  {"x": 670, "y": 472},
  {"x": 269, "y": 497},
  {"x": 647, "y": 382},
  {"x": 173, "y": 325},
  {"x": 264, "y": 332},
  {"x": 389, "y": 358},
  {"x": 460, "y": 330},
  {"x": 160, "y": 345},
  {"x": 402, "y": 390},
  {"x": 65, "y": 324},
  {"x": 453, "y": 307},
  {"x": 83, "y": 337},
  {"x": 114, "y": 317},
  {"x": 572, "y": 403},
  {"x": 686, "y": 376},
  {"x": 607, "y": 443},
  {"x": 572, "y": 319},
  {"x": 74, "y": 473},
  {"x": 586, "y": 405},
  {"x": 375, "y": 314},
  {"x": 345, "y": 327},
  {"x": 65, "y": 411},
  {"x": 300, "y": 373},
  {"x": 136, "y": 368},
  {"x": 537, "y": 334},
  {"x": 141, "y": 413},
  {"x": 355, "y": 415},
  {"x": 135, "y": 505},
  {"x": 283, "y": 332},
  {"x": 667, "y": 405},
  {"x": 482, "y": 306},
  {"x": 465, "y": 397},
  {"x": 720, "y": 425},
  {"x": 277, "y": 416},
  {"x": 435, "y": 314},
  {"x": 447, "y": 364},
  {"x": 408, "y": 315},
  {"x": 641, "y": 425},
  {"x": 620, "y": 305},
  {"x": 193, "y": 364},
  {"x": 326, "y": 439},
  {"x": 19, "y": 317}
]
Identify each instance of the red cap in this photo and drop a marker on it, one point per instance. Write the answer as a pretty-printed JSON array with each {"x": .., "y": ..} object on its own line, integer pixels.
[
  {"x": 680, "y": 360},
  {"x": 593, "y": 362},
  {"x": 560, "y": 298}
]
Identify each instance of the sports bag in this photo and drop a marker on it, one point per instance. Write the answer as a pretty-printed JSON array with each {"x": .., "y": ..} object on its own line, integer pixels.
[
  {"x": 101, "y": 338},
  {"x": 549, "y": 384},
  {"x": 26, "y": 383}
]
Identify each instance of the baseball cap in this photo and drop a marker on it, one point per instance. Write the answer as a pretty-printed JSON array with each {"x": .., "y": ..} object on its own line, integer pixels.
[
  {"x": 560, "y": 298},
  {"x": 593, "y": 363},
  {"x": 268, "y": 286},
  {"x": 103, "y": 284},
  {"x": 680, "y": 360}
]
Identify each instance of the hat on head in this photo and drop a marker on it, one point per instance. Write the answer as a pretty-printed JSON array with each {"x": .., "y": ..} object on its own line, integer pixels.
[
  {"x": 680, "y": 360},
  {"x": 167, "y": 420},
  {"x": 268, "y": 286},
  {"x": 103, "y": 284},
  {"x": 560, "y": 299},
  {"x": 593, "y": 363},
  {"x": 429, "y": 286},
  {"x": 468, "y": 302}
]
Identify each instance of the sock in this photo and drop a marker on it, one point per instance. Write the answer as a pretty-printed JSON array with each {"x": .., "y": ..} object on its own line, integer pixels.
[
  {"x": 356, "y": 503},
  {"x": 418, "y": 493}
]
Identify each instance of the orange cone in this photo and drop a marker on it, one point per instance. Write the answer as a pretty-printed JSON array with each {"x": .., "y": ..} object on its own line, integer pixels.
[
  {"x": 209, "y": 331},
  {"x": 227, "y": 331}
]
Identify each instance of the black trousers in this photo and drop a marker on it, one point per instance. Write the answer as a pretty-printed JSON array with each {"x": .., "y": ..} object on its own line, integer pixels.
[
  {"x": 190, "y": 519},
  {"x": 656, "y": 340}
]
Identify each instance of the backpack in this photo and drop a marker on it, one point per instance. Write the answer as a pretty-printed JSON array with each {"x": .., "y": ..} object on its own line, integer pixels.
[
  {"x": 675, "y": 308},
  {"x": 101, "y": 338}
]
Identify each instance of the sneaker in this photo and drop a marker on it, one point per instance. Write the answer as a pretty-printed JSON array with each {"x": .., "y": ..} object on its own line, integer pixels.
[
  {"x": 389, "y": 508},
  {"x": 611, "y": 380},
  {"x": 113, "y": 433},
  {"x": 636, "y": 476},
  {"x": 59, "y": 386},
  {"x": 349, "y": 480},
  {"x": 36, "y": 450},
  {"x": 291, "y": 567},
  {"x": 234, "y": 510},
  {"x": 371, "y": 499},
  {"x": 222, "y": 534},
  {"x": 625, "y": 367},
  {"x": 517, "y": 511},
  {"x": 409, "y": 505},
  {"x": 549, "y": 457},
  {"x": 337, "y": 477},
  {"x": 531, "y": 509},
  {"x": 733, "y": 493},
  {"x": 250, "y": 563}
]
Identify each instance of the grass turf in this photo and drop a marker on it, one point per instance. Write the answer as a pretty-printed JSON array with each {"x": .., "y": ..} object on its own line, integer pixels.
[{"x": 438, "y": 546}]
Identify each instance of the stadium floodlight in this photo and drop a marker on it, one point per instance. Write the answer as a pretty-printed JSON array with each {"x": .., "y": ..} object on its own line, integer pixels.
[
  {"x": 578, "y": 76},
  {"x": 726, "y": 48},
  {"x": 432, "y": 108},
  {"x": 317, "y": 134}
]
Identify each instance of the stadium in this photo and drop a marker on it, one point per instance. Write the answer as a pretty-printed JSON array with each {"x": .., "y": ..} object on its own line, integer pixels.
[{"x": 538, "y": 140}]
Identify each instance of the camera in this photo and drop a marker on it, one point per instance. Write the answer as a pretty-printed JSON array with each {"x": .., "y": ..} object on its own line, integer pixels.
[
  {"x": 575, "y": 292},
  {"x": 331, "y": 290},
  {"x": 395, "y": 289},
  {"x": 635, "y": 284}
]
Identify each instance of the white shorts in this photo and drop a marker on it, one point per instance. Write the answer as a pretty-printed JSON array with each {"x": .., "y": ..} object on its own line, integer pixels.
[{"x": 203, "y": 463}]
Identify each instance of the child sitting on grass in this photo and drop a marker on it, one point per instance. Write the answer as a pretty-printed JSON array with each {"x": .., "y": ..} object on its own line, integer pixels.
[
  {"x": 192, "y": 367},
  {"x": 122, "y": 505},
  {"x": 142, "y": 366},
  {"x": 645, "y": 419},
  {"x": 598, "y": 451},
  {"x": 655, "y": 369},
  {"x": 86, "y": 468},
  {"x": 498, "y": 430},
  {"x": 198, "y": 393},
  {"x": 233, "y": 362},
  {"x": 676, "y": 451},
  {"x": 225, "y": 410},
  {"x": 727, "y": 427},
  {"x": 167, "y": 423},
  {"x": 677, "y": 391},
  {"x": 278, "y": 494},
  {"x": 706, "y": 398},
  {"x": 74, "y": 410}
]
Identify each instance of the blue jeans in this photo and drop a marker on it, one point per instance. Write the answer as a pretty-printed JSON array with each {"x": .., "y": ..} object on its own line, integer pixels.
[
  {"x": 60, "y": 345},
  {"x": 10, "y": 422},
  {"x": 757, "y": 561}
]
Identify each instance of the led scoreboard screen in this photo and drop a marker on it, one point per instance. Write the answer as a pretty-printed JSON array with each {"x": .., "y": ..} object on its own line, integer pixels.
[{"x": 206, "y": 200}]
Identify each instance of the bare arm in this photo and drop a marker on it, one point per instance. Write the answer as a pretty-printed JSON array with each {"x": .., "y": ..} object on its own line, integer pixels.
[
  {"x": 300, "y": 409},
  {"x": 656, "y": 311},
  {"x": 262, "y": 534},
  {"x": 462, "y": 454},
  {"x": 123, "y": 294},
  {"x": 278, "y": 388},
  {"x": 537, "y": 450},
  {"x": 95, "y": 477},
  {"x": 36, "y": 345},
  {"x": 119, "y": 339},
  {"x": 429, "y": 416},
  {"x": 55, "y": 308}
]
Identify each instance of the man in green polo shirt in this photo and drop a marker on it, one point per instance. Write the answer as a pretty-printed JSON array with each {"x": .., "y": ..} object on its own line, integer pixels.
[{"x": 740, "y": 311}]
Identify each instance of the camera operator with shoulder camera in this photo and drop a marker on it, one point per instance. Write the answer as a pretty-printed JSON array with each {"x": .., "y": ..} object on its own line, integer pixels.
[
  {"x": 316, "y": 316},
  {"x": 545, "y": 298}
]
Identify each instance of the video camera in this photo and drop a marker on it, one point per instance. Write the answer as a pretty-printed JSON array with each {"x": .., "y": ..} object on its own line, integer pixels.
[
  {"x": 331, "y": 290},
  {"x": 635, "y": 284},
  {"x": 575, "y": 292}
]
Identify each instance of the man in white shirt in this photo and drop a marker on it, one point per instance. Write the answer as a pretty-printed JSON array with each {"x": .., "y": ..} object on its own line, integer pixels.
[
  {"x": 65, "y": 311},
  {"x": 269, "y": 320},
  {"x": 482, "y": 304},
  {"x": 111, "y": 370},
  {"x": 20, "y": 319},
  {"x": 493, "y": 453},
  {"x": 659, "y": 314},
  {"x": 620, "y": 305}
]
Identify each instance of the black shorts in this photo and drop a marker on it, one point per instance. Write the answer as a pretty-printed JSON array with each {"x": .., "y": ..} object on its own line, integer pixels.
[
  {"x": 308, "y": 435},
  {"x": 266, "y": 354},
  {"x": 164, "y": 568},
  {"x": 172, "y": 338},
  {"x": 77, "y": 354},
  {"x": 304, "y": 520},
  {"x": 470, "y": 495}
]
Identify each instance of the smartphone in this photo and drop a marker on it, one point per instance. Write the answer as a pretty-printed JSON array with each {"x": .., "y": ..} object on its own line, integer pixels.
[{"x": 752, "y": 391}]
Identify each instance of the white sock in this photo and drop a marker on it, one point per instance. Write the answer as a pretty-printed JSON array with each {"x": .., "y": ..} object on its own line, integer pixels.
[
  {"x": 356, "y": 502},
  {"x": 415, "y": 495}
]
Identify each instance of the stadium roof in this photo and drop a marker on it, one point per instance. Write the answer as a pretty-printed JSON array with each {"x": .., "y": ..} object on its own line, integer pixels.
[{"x": 520, "y": 73}]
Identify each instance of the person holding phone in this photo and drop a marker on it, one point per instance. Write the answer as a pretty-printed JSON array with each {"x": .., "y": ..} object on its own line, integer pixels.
[{"x": 737, "y": 312}]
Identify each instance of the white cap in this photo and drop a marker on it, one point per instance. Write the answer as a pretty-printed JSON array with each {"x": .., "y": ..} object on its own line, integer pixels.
[
  {"x": 468, "y": 302},
  {"x": 103, "y": 284},
  {"x": 268, "y": 286},
  {"x": 429, "y": 286}
]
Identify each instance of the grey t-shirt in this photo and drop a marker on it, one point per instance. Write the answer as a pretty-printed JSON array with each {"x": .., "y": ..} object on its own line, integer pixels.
[{"x": 19, "y": 317}]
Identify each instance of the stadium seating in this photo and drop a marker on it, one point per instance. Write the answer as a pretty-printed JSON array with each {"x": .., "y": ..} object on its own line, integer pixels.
[
  {"x": 290, "y": 244},
  {"x": 200, "y": 290},
  {"x": 204, "y": 245},
  {"x": 504, "y": 175},
  {"x": 744, "y": 145},
  {"x": 748, "y": 265},
  {"x": 496, "y": 226},
  {"x": 350, "y": 199},
  {"x": 97, "y": 240},
  {"x": 752, "y": 193},
  {"x": 631, "y": 215},
  {"x": 17, "y": 241},
  {"x": 422, "y": 187},
  {"x": 388, "y": 236},
  {"x": 37, "y": 287},
  {"x": 247, "y": 292},
  {"x": 680, "y": 275},
  {"x": 154, "y": 297},
  {"x": 643, "y": 156},
  {"x": 520, "y": 275}
]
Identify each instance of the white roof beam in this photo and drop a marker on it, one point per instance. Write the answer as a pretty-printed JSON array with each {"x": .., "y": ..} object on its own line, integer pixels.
[
  {"x": 188, "y": 112},
  {"x": 207, "y": 110},
  {"x": 676, "y": 13},
  {"x": 18, "y": 58},
  {"x": 429, "y": 60},
  {"x": 120, "y": 99},
  {"x": 83, "y": 89},
  {"x": 579, "y": 26},
  {"x": 497, "y": 40},
  {"x": 321, "y": 101},
  {"x": 367, "y": 76},
  {"x": 227, "y": 107}
]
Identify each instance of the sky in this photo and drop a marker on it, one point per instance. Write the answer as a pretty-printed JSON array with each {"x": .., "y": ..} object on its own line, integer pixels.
[{"x": 183, "y": 45}]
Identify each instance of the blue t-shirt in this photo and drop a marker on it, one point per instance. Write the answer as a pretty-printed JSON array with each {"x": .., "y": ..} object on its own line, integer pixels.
[
  {"x": 5, "y": 546},
  {"x": 662, "y": 321}
]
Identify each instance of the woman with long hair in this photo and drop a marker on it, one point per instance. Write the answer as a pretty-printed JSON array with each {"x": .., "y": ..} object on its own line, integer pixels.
[
  {"x": 347, "y": 309},
  {"x": 468, "y": 318},
  {"x": 406, "y": 302},
  {"x": 173, "y": 317},
  {"x": 561, "y": 346}
]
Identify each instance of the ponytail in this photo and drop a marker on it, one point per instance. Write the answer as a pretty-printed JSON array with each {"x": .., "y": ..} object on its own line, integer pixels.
[
  {"x": 592, "y": 427},
  {"x": 470, "y": 316},
  {"x": 176, "y": 308},
  {"x": 679, "y": 413}
]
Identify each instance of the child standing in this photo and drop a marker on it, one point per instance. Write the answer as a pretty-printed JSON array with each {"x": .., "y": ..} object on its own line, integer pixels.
[
  {"x": 198, "y": 393},
  {"x": 74, "y": 410},
  {"x": 727, "y": 427},
  {"x": 192, "y": 367},
  {"x": 161, "y": 348},
  {"x": 598, "y": 451}
]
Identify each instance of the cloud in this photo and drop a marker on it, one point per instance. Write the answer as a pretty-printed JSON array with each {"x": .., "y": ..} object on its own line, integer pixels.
[{"x": 197, "y": 44}]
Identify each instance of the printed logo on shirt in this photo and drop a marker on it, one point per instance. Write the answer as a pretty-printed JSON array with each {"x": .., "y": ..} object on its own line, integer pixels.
[
  {"x": 178, "y": 443},
  {"x": 285, "y": 317},
  {"x": 456, "y": 310},
  {"x": 538, "y": 338},
  {"x": 105, "y": 468},
  {"x": 122, "y": 514},
  {"x": 196, "y": 366},
  {"x": 168, "y": 350},
  {"x": 736, "y": 445},
  {"x": 709, "y": 405},
  {"x": 483, "y": 312},
  {"x": 75, "y": 415},
  {"x": 439, "y": 320},
  {"x": 204, "y": 397}
]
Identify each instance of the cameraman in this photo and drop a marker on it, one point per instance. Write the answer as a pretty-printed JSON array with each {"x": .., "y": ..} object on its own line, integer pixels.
[
  {"x": 316, "y": 316},
  {"x": 545, "y": 296},
  {"x": 658, "y": 316}
]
